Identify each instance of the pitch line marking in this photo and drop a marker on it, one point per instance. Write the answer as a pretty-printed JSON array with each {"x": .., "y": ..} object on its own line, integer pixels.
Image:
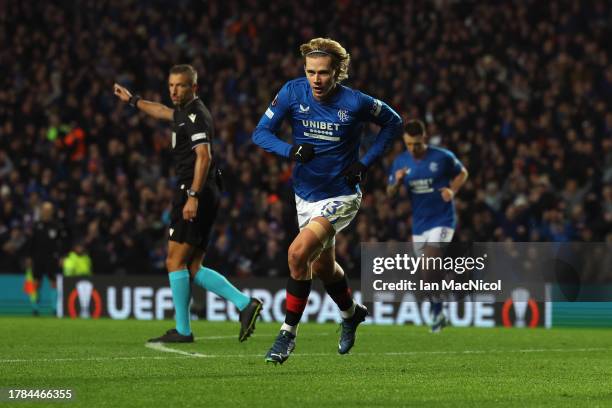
[
  {"x": 233, "y": 336},
  {"x": 162, "y": 348},
  {"x": 184, "y": 354}
]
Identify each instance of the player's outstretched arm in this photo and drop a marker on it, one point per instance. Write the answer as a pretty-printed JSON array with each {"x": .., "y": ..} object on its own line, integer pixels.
[{"x": 157, "y": 110}]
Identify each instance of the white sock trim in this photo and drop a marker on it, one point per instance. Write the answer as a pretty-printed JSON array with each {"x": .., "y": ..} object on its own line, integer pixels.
[
  {"x": 348, "y": 313},
  {"x": 290, "y": 329}
]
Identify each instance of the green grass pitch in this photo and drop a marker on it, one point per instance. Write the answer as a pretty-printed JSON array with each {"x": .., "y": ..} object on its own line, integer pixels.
[{"x": 107, "y": 364}]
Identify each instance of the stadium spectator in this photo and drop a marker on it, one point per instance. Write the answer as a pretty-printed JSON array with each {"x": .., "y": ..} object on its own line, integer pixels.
[
  {"x": 521, "y": 91},
  {"x": 77, "y": 263}
]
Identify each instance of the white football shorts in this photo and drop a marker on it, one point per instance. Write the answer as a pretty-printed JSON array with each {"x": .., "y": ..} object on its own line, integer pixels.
[
  {"x": 434, "y": 237},
  {"x": 339, "y": 211}
]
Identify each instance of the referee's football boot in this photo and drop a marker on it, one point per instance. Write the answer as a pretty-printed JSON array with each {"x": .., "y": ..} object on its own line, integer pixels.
[
  {"x": 349, "y": 327},
  {"x": 172, "y": 336},
  {"x": 248, "y": 317},
  {"x": 438, "y": 319},
  {"x": 282, "y": 347}
]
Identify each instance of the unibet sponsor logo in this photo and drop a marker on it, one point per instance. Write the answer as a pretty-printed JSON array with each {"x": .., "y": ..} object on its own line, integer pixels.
[
  {"x": 421, "y": 186},
  {"x": 313, "y": 124},
  {"x": 321, "y": 130}
]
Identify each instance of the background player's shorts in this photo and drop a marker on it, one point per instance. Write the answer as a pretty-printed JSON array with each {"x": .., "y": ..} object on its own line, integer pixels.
[
  {"x": 339, "y": 211},
  {"x": 437, "y": 236},
  {"x": 196, "y": 232}
]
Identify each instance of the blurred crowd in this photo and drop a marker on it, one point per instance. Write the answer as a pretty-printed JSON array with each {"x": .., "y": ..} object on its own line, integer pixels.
[{"x": 521, "y": 91}]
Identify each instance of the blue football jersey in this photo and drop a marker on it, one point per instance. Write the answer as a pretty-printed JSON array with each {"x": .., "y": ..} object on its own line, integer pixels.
[
  {"x": 424, "y": 179},
  {"x": 334, "y": 128}
]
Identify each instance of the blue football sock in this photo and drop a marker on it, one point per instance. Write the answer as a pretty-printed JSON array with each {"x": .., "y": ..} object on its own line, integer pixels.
[
  {"x": 219, "y": 285},
  {"x": 181, "y": 295},
  {"x": 436, "y": 307}
]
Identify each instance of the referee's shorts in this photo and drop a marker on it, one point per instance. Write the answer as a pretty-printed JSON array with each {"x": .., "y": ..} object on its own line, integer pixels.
[{"x": 196, "y": 232}]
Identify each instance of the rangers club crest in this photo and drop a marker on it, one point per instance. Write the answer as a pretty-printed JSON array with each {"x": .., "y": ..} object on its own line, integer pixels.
[{"x": 343, "y": 115}]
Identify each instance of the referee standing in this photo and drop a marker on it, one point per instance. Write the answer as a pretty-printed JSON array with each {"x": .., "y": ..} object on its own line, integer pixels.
[
  {"x": 195, "y": 203},
  {"x": 46, "y": 247}
]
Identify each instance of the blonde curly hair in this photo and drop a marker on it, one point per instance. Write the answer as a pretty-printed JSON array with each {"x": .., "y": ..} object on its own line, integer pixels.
[{"x": 326, "y": 46}]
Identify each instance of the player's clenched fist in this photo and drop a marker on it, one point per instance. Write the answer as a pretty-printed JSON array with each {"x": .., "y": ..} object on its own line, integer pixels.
[
  {"x": 354, "y": 173},
  {"x": 400, "y": 174},
  {"x": 302, "y": 153},
  {"x": 447, "y": 194}
]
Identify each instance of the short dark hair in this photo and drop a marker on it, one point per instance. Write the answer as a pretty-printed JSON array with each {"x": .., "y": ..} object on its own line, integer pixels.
[
  {"x": 186, "y": 69},
  {"x": 415, "y": 127}
]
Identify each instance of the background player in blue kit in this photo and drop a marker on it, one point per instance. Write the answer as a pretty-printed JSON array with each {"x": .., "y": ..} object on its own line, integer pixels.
[
  {"x": 432, "y": 176},
  {"x": 326, "y": 119}
]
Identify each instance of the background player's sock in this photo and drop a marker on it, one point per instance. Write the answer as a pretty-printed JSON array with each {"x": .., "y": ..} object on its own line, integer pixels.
[
  {"x": 181, "y": 295},
  {"x": 297, "y": 298},
  {"x": 436, "y": 306},
  {"x": 219, "y": 285},
  {"x": 341, "y": 294}
]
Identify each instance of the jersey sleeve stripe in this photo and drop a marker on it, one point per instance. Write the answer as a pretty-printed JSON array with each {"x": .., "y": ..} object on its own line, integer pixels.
[{"x": 198, "y": 136}]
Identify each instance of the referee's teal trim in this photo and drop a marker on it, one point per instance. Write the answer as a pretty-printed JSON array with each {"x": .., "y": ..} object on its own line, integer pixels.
[
  {"x": 215, "y": 282},
  {"x": 180, "y": 274},
  {"x": 181, "y": 296}
]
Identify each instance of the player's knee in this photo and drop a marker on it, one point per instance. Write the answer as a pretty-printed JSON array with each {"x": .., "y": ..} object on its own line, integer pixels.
[
  {"x": 432, "y": 251},
  {"x": 298, "y": 258},
  {"x": 326, "y": 271},
  {"x": 297, "y": 255},
  {"x": 323, "y": 267}
]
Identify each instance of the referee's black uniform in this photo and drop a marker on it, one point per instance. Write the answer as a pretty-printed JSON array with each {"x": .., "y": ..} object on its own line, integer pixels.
[
  {"x": 47, "y": 244},
  {"x": 193, "y": 125}
]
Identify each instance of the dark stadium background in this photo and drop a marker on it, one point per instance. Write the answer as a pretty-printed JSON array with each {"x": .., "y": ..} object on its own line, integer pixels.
[{"x": 521, "y": 91}]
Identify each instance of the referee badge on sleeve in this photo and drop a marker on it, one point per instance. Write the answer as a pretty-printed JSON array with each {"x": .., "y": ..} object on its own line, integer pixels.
[{"x": 198, "y": 136}]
